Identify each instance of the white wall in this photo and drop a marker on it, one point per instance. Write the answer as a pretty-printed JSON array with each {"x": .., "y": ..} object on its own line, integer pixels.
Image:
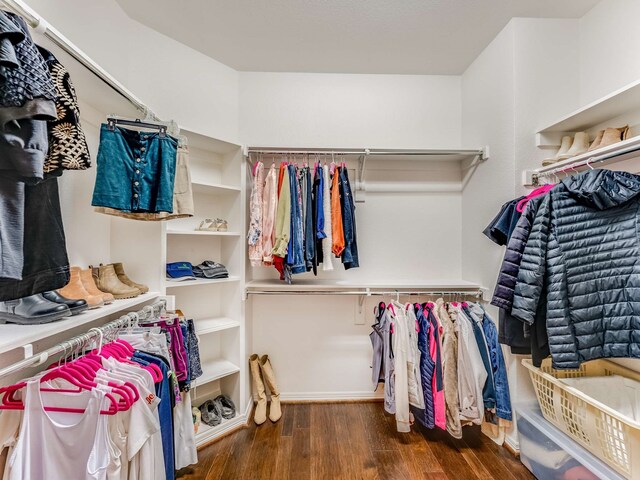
[
  {"x": 315, "y": 345},
  {"x": 609, "y": 48},
  {"x": 176, "y": 81}
]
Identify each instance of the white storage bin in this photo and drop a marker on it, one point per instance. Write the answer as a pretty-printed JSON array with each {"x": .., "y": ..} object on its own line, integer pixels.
[
  {"x": 616, "y": 392},
  {"x": 550, "y": 454}
]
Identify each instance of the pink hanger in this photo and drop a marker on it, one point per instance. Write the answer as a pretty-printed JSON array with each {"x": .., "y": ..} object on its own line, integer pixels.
[{"x": 535, "y": 193}]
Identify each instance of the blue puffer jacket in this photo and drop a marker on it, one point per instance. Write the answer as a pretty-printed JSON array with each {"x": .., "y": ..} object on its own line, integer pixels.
[{"x": 584, "y": 251}]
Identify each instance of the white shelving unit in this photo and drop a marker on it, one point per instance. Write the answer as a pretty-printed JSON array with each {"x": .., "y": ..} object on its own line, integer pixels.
[{"x": 217, "y": 169}]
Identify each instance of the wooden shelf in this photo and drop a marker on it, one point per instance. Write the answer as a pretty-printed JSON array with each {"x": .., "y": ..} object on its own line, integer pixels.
[
  {"x": 620, "y": 102},
  {"x": 205, "y": 326},
  {"x": 215, "y": 370},
  {"x": 203, "y": 232},
  {"x": 199, "y": 282},
  {"x": 14, "y": 336}
]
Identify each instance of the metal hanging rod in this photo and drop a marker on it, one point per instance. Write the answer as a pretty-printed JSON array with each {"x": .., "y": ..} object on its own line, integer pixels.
[
  {"x": 368, "y": 293},
  {"x": 536, "y": 175},
  {"x": 41, "y": 26},
  {"x": 78, "y": 341},
  {"x": 363, "y": 151}
]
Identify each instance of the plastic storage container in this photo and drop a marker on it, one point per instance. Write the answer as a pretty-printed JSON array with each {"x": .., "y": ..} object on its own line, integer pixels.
[
  {"x": 551, "y": 455},
  {"x": 604, "y": 431}
]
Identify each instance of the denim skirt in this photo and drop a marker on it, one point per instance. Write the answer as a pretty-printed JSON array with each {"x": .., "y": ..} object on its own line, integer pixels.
[{"x": 136, "y": 171}]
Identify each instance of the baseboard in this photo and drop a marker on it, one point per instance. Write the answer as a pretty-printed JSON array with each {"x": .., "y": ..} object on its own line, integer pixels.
[
  {"x": 512, "y": 446},
  {"x": 331, "y": 396}
]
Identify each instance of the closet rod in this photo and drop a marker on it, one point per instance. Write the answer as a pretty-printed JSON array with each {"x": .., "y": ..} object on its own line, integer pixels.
[
  {"x": 470, "y": 293},
  {"x": 363, "y": 151},
  {"x": 82, "y": 339},
  {"x": 40, "y": 25}
]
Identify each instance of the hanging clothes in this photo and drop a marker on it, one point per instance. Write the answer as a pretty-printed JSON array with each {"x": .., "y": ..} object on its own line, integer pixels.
[
  {"x": 255, "y": 236},
  {"x": 269, "y": 207},
  {"x": 327, "y": 241}
]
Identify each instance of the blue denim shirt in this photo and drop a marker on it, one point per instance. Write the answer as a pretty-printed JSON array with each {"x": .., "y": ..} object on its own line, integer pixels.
[
  {"x": 350, "y": 253},
  {"x": 320, "y": 204}
]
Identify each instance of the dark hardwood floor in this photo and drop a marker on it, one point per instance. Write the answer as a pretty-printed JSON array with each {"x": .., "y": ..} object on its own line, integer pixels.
[{"x": 350, "y": 441}]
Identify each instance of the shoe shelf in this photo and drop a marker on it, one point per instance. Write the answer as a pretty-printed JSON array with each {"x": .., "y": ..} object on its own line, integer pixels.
[
  {"x": 200, "y": 186},
  {"x": 15, "y": 336},
  {"x": 203, "y": 232},
  {"x": 205, "y": 326},
  {"x": 620, "y": 102},
  {"x": 207, "y": 433},
  {"x": 213, "y": 370},
  {"x": 200, "y": 282}
]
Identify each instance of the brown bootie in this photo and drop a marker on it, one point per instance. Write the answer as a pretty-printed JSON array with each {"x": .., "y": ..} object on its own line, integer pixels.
[
  {"x": 90, "y": 286},
  {"x": 106, "y": 280},
  {"x": 598, "y": 140},
  {"x": 260, "y": 414},
  {"x": 126, "y": 280},
  {"x": 275, "y": 412},
  {"x": 613, "y": 135},
  {"x": 75, "y": 289}
]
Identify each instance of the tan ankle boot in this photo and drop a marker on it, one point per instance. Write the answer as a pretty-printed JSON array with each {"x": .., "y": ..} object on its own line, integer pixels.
[
  {"x": 119, "y": 269},
  {"x": 597, "y": 141},
  {"x": 614, "y": 135},
  {"x": 106, "y": 280},
  {"x": 90, "y": 286},
  {"x": 579, "y": 146},
  {"x": 75, "y": 289},
  {"x": 260, "y": 415},
  {"x": 275, "y": 412},
  {"x": 564, "y": 148}
]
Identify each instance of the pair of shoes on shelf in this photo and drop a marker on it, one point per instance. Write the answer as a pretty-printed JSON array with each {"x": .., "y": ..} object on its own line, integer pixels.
[
  {"x": 213, "y": 411},
  {"x": 261, "y": 373},
  {"x": 579, "y": 144},
  {"x": 217, "y": 225},
  {"x": 41, "y": 308},
  {"x": 101, "y": 285}
]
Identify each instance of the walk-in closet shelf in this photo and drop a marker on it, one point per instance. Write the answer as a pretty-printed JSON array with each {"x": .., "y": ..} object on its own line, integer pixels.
[
  {"x": 15, "y": 336},
  {"x": 218, "y": 324}
]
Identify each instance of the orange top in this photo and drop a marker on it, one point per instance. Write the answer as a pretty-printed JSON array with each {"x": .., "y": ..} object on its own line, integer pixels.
[
  {"x": 337, "y": 232},
  {"x": 280, "y": 175}
]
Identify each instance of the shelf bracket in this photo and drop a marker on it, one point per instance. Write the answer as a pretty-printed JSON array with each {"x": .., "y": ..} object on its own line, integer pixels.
[{"x": 485, "y": 153}]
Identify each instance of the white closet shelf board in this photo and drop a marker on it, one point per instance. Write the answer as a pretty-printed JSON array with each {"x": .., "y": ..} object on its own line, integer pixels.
[
  {"x": 215, "y": 370},
  {"x": 205, "y": 326},
  {"x": 214, "y": 188},
  {"x": 534, "y": 416},
  {"x": 13, "y": 336},
  {"x": 320, "y": 285},
  {"x": 203, "y": 233},
  {"x": 624, "y": 100},
  {"x": 195, "y": 283},
  {"x": 208, "y": 143},
  {"x": 206, "y": 433}
]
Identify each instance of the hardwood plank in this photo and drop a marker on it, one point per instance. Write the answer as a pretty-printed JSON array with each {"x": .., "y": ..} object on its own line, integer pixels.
[
  {"x": 376, "y": 426},
  {"x": 416, "y": 452},
  {"x": 240, "y": 450},
  {"x": 354, "y": 453},
  {"x": 325, "y": 458},
  {"x": 514, "y": 465},
  {"x": 449, "y": 456},
  {"x": 217, "y": 465},
  {"x": 264, "y": 452},
  {"x": 300, "y": 461},
  {"x": 288, "y": 412},
  {"x": 283, "y": 458},
  {"x": 206, "y": 457},
  {"x": 302, "y": 415}
]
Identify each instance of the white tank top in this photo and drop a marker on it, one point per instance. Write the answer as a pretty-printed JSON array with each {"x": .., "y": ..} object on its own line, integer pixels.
[{"x": 59, "y": 445}]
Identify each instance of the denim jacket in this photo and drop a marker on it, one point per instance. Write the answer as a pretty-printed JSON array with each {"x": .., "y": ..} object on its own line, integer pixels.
[{"x": 503, "y": 399}]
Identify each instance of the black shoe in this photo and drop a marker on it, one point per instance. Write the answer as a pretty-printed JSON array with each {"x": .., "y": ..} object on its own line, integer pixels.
[
  {"x": 226, "y": 407},
  {"x": 210, "y": 413},
  {"x": 32, "y": 310},
  {"x": 75, "y": 305}
]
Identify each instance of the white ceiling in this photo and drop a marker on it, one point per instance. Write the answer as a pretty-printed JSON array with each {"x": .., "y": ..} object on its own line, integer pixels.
[{"x": 343, "y": 36}]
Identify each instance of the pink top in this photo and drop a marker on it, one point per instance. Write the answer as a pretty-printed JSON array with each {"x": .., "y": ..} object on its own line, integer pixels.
[{"x": 439, "y": 406}]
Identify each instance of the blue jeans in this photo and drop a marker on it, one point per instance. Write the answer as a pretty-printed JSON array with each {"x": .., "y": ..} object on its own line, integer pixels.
[
  {"x": 136, "y": 171},
  {"x": 295, "y": 252}
]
